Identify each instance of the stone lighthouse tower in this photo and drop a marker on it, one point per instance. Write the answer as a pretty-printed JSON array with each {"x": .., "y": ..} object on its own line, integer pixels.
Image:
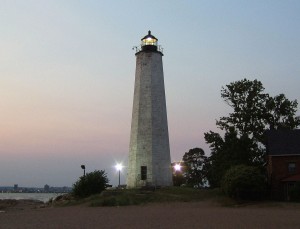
[{"x": 149, "y": 151}]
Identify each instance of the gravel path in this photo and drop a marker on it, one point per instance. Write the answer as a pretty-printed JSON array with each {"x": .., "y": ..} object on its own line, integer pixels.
[{"x": 170, "y": 215}]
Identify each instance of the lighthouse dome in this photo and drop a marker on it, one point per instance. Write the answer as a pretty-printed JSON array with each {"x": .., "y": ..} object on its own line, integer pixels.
[{"x": 149, "y": 42}]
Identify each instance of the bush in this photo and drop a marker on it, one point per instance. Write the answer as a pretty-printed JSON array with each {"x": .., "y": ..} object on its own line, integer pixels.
[
  {"x": 244, "y": 182},
  {"x": 294, "y": 192},
  {"x": 92, "y": 183},
  {"x": 178, "y": 178}
]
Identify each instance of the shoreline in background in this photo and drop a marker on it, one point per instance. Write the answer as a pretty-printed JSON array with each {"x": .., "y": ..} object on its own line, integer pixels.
[{"x": 44, "y": 197}]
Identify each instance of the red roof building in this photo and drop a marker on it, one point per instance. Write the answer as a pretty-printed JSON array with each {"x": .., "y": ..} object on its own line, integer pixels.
[{"x": 283, "y": 161}]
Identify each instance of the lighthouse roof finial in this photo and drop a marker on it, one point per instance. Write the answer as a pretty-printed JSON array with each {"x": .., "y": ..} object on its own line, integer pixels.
[{"x": 149, "y": 35}]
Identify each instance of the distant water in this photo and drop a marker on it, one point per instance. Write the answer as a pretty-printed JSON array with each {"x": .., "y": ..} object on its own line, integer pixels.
[{"x": 32, "y": 196}]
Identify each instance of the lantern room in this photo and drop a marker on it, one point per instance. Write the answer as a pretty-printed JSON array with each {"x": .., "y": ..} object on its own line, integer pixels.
[{"x": 149, "y": 42}]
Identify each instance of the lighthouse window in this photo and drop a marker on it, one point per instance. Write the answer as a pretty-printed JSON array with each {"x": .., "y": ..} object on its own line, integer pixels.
[{"x": 143, "y": 172}]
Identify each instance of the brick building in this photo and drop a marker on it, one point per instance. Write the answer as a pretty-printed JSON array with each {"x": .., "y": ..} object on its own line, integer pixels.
[{"x": 283, "y": 161}]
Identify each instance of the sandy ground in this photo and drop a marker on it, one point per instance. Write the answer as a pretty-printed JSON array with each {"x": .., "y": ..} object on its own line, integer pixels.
[{"x": 170, "y": 215}]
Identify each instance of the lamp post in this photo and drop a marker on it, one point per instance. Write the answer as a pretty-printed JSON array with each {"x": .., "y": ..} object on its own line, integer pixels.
[
  {"x": 119, "y": 167},
  {"x": 83, "y": 167},
  {"x": 178, "y": 178}
]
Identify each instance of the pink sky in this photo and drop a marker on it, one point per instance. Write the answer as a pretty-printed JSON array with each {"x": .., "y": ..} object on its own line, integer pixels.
[{"x": 67, "y": 76}]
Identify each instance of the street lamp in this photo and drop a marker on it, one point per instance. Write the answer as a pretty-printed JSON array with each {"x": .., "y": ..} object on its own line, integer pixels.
[
  {"x": 119, "y": 167},
  {"x": 178, "y": 178},
  {"x": 83, "y": 167}
]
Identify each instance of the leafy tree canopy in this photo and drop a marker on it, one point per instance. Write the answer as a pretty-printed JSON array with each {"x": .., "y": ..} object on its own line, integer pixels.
[
  {"x": 254, "y": 112},
  {"x": 92, "y": 183},
  {"x": 232, "y": 150},
  {"x": 194, "y": 167},
  {"x": 245, "y": 182}
]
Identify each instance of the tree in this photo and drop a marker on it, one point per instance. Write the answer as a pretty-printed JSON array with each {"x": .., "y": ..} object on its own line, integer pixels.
[
  {"x": 294, "y": 192},
  {"x": 282, "y": 113},
  {"x": 254, "y": 112},
  {"x": 228, "y": 152},
  {"x": 91, "y": 183},
  {"x": 244, "y": 182},
  {"x": 195, "y": 167}
]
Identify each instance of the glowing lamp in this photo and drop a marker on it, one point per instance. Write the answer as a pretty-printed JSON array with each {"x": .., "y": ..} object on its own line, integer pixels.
[
  {"x": 119, "y": 167},
  {"x": 177, "y": 167}
]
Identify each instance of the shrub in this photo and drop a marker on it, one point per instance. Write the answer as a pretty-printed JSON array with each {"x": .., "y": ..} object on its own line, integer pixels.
[
  {"x": 178, "y": 178},
  {"x": 91, "y": 183},
  {"x": 244, "y": 182},
  {"x": 294, "y": 192}
]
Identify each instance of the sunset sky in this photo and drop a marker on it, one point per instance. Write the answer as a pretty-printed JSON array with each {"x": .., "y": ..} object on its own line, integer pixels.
[{"x": 67, "y": 76}]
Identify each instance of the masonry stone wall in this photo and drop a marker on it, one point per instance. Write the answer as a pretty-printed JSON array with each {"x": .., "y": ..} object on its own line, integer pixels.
[{"x": 149, "y": 138}]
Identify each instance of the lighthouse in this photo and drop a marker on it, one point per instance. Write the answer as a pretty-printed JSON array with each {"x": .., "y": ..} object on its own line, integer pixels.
[{"x": 149, "y": 162}]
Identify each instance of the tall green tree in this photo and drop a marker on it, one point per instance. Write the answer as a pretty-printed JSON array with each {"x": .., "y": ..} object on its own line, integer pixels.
[
  {"x": 254, "y": 112},
  {"x": 195, "y": 171},
  {"x": 227, "y": 152}
]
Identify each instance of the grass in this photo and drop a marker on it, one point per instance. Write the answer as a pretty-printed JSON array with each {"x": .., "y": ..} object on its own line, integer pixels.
[
  {"x": 138, "y": 197},
  {"x": 126, "y": 197}
]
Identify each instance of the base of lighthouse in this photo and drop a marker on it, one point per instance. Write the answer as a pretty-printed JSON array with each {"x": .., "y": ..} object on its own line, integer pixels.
[{"x": 149, "y": 151}]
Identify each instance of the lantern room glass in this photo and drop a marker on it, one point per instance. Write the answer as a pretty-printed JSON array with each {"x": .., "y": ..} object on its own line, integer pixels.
[{"x": 149, "y": 41}]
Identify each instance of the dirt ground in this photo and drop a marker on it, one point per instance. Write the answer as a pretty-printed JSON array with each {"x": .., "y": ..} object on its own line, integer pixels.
[{"x": 163, "y": 215}]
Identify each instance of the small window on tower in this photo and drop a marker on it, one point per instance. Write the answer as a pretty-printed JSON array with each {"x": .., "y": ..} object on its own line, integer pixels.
[{"x": 143, "y": 172}]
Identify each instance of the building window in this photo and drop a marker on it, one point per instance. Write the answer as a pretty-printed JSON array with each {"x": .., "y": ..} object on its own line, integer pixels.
[
  {"x": 143, "y": 172},
  {"x": 292, "y": 167}
]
